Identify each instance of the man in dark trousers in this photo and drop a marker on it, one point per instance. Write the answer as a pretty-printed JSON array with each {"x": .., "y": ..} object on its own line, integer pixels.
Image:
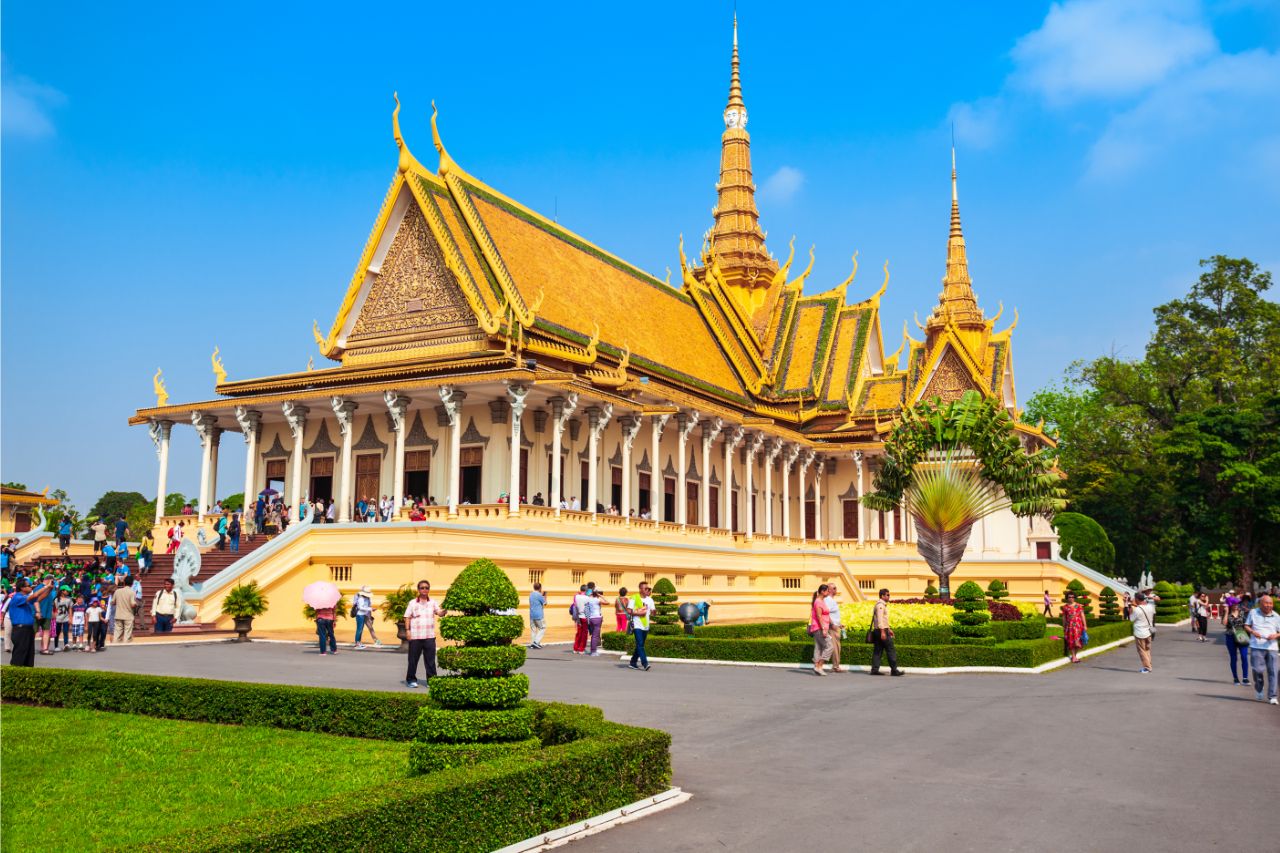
[
  {"x": 882, "y": 637},
  {"x": 22, "y": 615}
]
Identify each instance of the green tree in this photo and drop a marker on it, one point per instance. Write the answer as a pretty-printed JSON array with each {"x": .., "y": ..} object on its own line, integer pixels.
[
  {"x": 116, "y": 504},
  {"x": 996, "y": 590},
  {"x": 233, "y": 503},
  {"x": 1083, "y": 539},
  {"x": 22, "y": 487},
  {"x": 955, "y": 463},
  {"x": 1175, "y": 454},
  {"x": 174, "y": 502},
  {"x": 64, "y": 508}
]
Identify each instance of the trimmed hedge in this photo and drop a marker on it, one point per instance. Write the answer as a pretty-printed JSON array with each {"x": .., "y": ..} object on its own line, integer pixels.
[
  {"x": 751, "y": 629},
  {"x": 1029, "y": 628},
  {"x": 1014, "y": 653},
  {"x": 482, "y": 629},
  {"x": 328, "y": 710},
  {"x": 507, "y": 724},
  {"x": 666, "y": 619},
  {"x": 483, "y": 806},
  {"x": 1109, "y": 611},
  {"x": 434, "y": 756},
  {"x": 480, "y": 588},
  {"x": 1172, "y": 606},
  {"x": 461, "y": 692},
  {"x": 488, "y": 659},
  {"x": 971, "y": 617}
]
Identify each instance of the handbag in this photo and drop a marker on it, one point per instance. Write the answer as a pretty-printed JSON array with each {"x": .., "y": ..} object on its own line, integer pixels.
[
  {"x": 1242, "y": 637},
  {"x": 1084, "y": 638}
]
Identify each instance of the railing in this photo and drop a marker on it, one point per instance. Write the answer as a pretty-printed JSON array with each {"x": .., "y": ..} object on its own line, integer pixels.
[
  {"x": 606, "y": 520},
  {"x": 1097, "y": 576},
  {"x": 253, "y": 558}
]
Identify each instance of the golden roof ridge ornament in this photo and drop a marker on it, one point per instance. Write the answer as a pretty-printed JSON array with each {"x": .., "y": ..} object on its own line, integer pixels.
[
  {"x": 447, "y": 163},
  {"x": 780, "y": 276},
  {"x": 315, "y": 333},
  {"x": 218, "y": 369},
  {"x": 844, "y": 286},
  {"x": 407, "y": 160},
  {"x": 897, "y": 353},
  {"x": 157, "y": 383}
]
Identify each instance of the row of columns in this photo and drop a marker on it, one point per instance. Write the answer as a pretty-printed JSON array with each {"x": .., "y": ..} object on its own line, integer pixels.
[{"x": 562, "y": 407}]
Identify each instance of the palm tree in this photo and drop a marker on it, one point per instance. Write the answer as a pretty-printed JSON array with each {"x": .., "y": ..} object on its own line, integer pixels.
[{"x": 954, "y": 463}]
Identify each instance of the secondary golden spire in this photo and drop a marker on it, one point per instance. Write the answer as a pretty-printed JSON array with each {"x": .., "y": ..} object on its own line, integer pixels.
[{"x": 956, "y": 303}]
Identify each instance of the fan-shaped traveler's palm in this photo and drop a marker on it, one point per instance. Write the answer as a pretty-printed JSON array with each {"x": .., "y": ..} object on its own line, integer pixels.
[{"x": 945, "y": 498}]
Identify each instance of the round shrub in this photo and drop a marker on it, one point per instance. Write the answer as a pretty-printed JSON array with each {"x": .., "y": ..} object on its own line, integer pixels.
[
  {"x": 1082, "y": 597},
  {"x": 482, "y": 659},
  {"x": 437, "y": 724},
  {"x": 971, "y": 617},
  {"x": 482, "y": 630},
  {"x": 1172, "y": 606},
  {"x": 480, "y": 588},
  {"x": 432, "y": 756},
  {"x": 1082, "y": 539},
  {"x": 930, "y": 591},
  {"x": 666, "y": 618},
  {"x": 461, "y": 691},
  {"x": 996, "y": 590}
]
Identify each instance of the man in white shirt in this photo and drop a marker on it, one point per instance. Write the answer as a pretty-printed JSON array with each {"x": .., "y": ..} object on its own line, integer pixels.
[
  {"x": 836, "y": 632},
  {"x": 641, "y": 607},
  {"x": 1143, "y": 616},
  {"x": 575, "y": 504},
  {"x": 1263, "y": 625}
]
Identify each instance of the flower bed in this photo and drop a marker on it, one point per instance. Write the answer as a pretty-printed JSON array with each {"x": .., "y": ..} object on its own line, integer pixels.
[
  {"x": 1028, "y": 628},
  {"x": 484, "y": 806},
  {"x": 1001, "y": 611}
]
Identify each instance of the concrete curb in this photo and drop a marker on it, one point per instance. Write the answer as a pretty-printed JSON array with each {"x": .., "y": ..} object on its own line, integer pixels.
[{"x": 599, "y": 823}]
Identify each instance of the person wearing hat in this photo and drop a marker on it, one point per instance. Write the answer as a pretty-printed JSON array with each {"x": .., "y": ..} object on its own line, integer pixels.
[
  {"x": 22, "y": 615},
  {"x": 362, "y": 606}
]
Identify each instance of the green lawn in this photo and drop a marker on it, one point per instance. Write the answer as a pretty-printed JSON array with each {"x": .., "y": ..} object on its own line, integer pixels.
[{"x": 147, "y": 777}]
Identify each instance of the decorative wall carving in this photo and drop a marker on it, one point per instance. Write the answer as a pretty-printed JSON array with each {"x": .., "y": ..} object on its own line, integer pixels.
[
  {"x": 323, "y": 444},
  {"x": 417, "y": 435},
  {"x": 369, "y": 438},
  {"x": 950, "y": 380}
]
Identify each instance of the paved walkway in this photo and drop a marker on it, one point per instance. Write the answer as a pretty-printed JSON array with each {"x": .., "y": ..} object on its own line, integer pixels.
[{"x": 1093, "y": 757}]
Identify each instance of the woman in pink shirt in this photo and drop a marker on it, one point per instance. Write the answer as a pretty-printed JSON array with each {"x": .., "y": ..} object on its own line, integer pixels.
[
  {"x": 420, "y": 623},
  {"x": 819, "y": 627}
]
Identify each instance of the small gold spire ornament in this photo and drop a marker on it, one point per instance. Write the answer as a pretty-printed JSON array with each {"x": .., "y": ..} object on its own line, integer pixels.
[
  {"x": 157, "y": 382},
  {"x": 218, "y": 370}
]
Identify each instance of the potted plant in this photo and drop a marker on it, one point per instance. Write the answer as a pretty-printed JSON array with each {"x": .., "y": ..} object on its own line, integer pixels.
[
  {"x": 242, "y": 603},
  {"x": 392, "y": 608}
]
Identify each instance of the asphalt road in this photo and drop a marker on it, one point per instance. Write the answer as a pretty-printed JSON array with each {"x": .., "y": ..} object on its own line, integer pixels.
[{"x": 1093, "y": 757}]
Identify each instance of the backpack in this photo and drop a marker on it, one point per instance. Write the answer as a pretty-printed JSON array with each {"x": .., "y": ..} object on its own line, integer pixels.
[{"x": 573, "y": 610}]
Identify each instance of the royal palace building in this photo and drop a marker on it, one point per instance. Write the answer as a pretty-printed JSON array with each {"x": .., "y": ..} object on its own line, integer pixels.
[{"x": 718, "y": 429}]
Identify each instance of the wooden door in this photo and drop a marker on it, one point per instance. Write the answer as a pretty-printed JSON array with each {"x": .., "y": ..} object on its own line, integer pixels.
[
  {"x": 810, "y": 525},
  {"x": 368, "y": 478},
  {"x": 713, "y": 512},
  {"x": 733, "y": 505},
  {"x": 691, "y": 503},
  {"x": 850, "y": 519}
]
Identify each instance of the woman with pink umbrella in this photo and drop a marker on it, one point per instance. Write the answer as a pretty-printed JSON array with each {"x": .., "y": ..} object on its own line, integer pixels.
[{"x": 322, "y": 596}]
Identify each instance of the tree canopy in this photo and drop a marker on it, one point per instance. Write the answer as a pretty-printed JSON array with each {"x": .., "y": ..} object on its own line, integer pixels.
[
  {"x": 1083, "y": 540},
  {"x": 116, "y": 504},
  {"x": 1177, "y": 454}
]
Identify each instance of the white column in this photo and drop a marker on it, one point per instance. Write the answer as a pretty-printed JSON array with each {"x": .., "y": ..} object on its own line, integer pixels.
[
  {"x": 251, "y": 425},
  {"x": 775, "y": 447},
  {"x": 806, "y": 459},
  {"x": 296, "y": 416},
  {"x": 754, "y": 444},
  {"x": 214, "y": 446},
  {"x": 345, "y": 410},
  {"x": 452, "y": 399},
  {"x": 630, "y": 428},
  {"x": 710, "y": 429},
  {"x": 817, "y": 499},
  {"x": 160, "y": 432},
  {"x": 561, "y": 409},
  {"x": 398, "y": 408},
  {"x": 888, "y": 521},
  {"x": 788, "y": 465},
  {"x": 862, "y": 523},
  {"x": 657, "y": 484},
  {"x": 685, "y": 422},
  {"x": 517, "y": 393},
  {"x": 597, "y": 420},
  {"x": 731, "y": 442},
  {"x": 206, "y": 426}
]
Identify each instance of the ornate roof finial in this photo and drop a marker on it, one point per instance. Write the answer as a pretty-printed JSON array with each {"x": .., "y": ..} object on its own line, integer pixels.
[
  {"x": 735, "y": 85},
  {"x": 446, "y": 162},
  {"x": 957, "y": 303}
]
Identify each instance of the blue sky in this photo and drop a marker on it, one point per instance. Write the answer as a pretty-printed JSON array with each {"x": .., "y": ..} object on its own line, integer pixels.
[{"x": 177, "y": 177}]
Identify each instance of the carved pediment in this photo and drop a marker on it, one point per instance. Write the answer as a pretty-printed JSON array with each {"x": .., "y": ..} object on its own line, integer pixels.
[{"x": 950, "y": 379}]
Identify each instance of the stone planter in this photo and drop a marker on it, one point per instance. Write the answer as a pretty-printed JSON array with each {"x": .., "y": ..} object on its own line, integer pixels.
[
  {"x": 243, "y": 625},
  {"x": 402, "y": 634}
]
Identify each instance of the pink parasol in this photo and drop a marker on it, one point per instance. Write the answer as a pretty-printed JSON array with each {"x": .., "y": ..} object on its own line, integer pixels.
[{"x": 320, "y": 595}]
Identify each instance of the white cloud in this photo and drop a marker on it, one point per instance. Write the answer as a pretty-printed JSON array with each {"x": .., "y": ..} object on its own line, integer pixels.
[
  {"x": 1153, "y": 78},
  {"x": 1110, "y": 48},
  {"x": 25, "y": 106},
  {"x": 783, "y": 185}
]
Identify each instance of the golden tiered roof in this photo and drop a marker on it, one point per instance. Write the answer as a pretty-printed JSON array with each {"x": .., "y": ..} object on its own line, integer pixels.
[{"x": 457, "y": 278}]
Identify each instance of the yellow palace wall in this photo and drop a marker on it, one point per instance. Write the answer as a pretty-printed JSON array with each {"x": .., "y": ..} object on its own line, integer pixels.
[{"x": 760, "y": 579}]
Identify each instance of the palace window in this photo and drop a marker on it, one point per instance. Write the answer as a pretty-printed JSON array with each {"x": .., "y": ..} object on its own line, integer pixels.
[
  {"x": 578, "y": 575},
  {"x": 679, "y": 581},
  {"x": 729, "y": 580},
  {"x": 615, "y": 578},
  {"x": 866, "y": 584},
  {"x": 535, "y": 576},
  {"x": 649, "y": 576},
  {"x": 791, "y": 583},
  {"x": 706, "y": 580},
  {"x": 340, "y": 574}
]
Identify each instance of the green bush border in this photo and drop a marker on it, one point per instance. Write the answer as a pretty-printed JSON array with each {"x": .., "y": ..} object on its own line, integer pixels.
[
  {"x": 445, "y": 725},
  {"x": 586, "y": 766},
  {"x": 749, "y": 629},
  {"x": 1012, "y": 653}
]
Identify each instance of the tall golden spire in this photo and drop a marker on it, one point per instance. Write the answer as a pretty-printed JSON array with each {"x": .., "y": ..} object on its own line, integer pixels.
[
  {"x": 957, "y": 304},
  {"x": 737, "y": 241}
]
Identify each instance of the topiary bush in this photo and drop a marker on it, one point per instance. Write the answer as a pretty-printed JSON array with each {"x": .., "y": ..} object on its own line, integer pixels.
[
  {"x": 1172, "y": 606},
  {"x": 1109, "y": 605},
  {"x": 930, "y": 591},
  {"x": 1082, "y": 597},
  {"x": 666, "y": 618},
  {"x": 971, "y": 617},
  {"x": 477, "y": 715},
  {"x": 996, "y": 590}
]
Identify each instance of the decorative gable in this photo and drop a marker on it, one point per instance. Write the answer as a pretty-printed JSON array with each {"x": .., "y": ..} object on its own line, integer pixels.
[{"x": 950, "y": 379}]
